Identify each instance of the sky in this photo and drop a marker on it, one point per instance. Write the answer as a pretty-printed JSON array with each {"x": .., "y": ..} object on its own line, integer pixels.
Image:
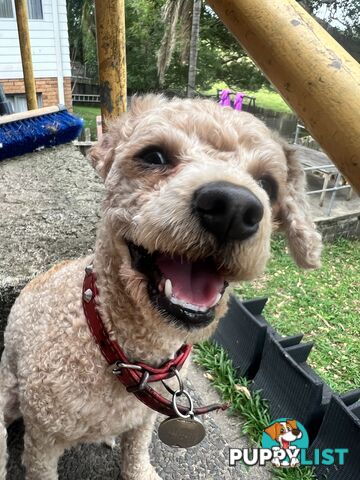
[{"x": 323, "y": 12}]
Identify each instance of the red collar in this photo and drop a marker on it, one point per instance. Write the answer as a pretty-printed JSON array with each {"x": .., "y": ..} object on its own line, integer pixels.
[{"x": 135, "y": 377}]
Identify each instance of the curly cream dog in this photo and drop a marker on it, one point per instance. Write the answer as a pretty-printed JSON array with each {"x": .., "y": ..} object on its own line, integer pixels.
[{"x": 193, "y": 192}]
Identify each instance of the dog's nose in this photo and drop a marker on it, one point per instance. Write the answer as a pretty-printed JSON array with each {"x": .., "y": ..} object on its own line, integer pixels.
[{"x": 228, "y": 211}]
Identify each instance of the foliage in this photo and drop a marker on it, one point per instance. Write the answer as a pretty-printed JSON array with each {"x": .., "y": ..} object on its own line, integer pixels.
[
  {"x": 250, "y": 406},
  {"x": 177, "y": 19},
  {"x": 220, "y": 57},
  {"x": 323, "y": 304},
  {"x": 82, "y": 34},
  {"x": 144, "y": 30}
]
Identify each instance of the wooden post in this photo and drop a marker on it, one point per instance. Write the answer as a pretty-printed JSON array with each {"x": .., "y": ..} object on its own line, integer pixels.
[
  {"x": 313, "y": 73},
  {"x": 25, "y": 49},
  {"x": 110, "y": 29}
]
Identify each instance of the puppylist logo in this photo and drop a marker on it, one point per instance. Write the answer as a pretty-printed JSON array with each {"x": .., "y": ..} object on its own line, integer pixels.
[{"x": 284, "y": 443}]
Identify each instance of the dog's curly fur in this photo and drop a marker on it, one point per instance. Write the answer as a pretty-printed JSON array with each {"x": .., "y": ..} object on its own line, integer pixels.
[{"x": 52, "y": 373}]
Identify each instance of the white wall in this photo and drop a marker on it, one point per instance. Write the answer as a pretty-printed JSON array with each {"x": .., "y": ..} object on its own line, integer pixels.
[{"x": 43, "y": 37}]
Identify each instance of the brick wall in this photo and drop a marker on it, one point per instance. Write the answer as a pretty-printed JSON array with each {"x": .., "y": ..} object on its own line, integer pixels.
[{"x": 48, "y": 87}]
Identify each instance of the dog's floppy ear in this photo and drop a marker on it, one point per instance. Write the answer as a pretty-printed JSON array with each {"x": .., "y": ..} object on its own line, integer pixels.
[
  {"x": 272, "y": 431},
  {"x": 101, "y": 155},
  {"x": 303, "y": 240},
  {"x": 292, "y": 424}
]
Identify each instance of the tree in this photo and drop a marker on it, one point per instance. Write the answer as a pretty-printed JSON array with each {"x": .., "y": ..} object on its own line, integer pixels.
[
  {"x": 194, "y": 40},
  {"x": 177, "y": 20},
  {"x": 82, "y": 34},
  {"x": 220, "y": 57}
]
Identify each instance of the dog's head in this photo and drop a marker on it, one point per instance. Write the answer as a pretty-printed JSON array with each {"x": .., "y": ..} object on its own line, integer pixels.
[
  {"x": 193, "y": 192},
  {"x": 284, "y": 432}
]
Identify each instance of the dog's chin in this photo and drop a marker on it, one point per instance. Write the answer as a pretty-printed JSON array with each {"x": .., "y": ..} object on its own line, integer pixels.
[{"x": 183, "y": 292}]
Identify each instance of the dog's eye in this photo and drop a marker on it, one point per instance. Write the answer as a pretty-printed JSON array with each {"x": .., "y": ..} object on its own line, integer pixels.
[
  {"x": 154, "y": 157},
  {"x": 270, "y": 186}
]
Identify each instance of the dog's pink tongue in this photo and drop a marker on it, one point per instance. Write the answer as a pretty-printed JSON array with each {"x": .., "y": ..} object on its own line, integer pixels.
[{"x": 197, "y": 283}]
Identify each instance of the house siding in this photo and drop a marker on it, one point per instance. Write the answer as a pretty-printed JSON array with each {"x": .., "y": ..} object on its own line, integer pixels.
[{"x": 48, "y": 63}]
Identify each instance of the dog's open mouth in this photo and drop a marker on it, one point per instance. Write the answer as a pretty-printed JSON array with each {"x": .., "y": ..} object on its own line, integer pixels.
[{"x": 184, "y": 291}]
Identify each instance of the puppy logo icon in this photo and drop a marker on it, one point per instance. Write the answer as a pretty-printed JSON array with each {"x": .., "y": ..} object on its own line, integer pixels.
[
  {"x": 285, "y": 443},
  {"x": 286, "y": 438}
]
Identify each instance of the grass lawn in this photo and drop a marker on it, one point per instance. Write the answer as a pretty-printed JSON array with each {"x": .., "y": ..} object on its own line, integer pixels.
[
  {"x": 265, "y": 98},
  {"x": 270, "y": 100},
  {"x": 89, "y": 115}
]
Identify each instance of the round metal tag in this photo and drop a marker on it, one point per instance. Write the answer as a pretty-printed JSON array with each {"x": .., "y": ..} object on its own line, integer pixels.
[{"x": 181, "y": 432}]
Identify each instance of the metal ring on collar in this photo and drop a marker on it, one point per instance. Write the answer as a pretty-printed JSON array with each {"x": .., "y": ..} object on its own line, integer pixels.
[
  {"x": 191, "y": 404},
  {"x": 179, "y": 379},
  {"x": 118, "y": 366}
]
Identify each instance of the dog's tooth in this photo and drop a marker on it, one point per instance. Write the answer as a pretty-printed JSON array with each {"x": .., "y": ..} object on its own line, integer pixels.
[
  {"x": 168, "y": 288},
  {"x": 217, "y": 300}
]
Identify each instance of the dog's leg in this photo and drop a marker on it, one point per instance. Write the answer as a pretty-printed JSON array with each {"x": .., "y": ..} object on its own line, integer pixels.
[
  {"x": 40, "y": 457},
  {"x": 135, "y": 458},
  {"x": 3, "y": 435},
  {"x": 9, "y": 408}
]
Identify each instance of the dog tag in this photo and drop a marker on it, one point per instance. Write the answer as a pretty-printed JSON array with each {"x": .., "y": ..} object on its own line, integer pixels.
[{"x": 181, "y": 432}]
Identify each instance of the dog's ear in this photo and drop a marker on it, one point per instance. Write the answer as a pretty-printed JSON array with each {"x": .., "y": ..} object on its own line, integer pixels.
[
  {"x": 292, "y": 424},
  {"x": 101, "y": 155},
  {"x": 293, "y": 216},
  {"x": 272, "y": 431}
]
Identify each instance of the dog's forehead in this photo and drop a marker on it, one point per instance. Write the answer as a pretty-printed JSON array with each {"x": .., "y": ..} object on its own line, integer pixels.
[{"x": 211, "y": 125}]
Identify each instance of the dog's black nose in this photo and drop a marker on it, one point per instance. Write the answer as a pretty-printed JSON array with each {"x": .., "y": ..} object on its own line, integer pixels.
[{"x": 228, "y": 211}]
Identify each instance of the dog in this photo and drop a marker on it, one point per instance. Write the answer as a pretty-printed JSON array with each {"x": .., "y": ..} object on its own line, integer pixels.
[
  {"x": 284, "y": 433},
  {"x": 192, "y": 194}
]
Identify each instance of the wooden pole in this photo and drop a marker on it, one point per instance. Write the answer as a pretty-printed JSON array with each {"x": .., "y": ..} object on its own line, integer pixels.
[
  {"x": 110, "y": 29},
  {"x": 314, "y": 74},
  {"x": 25, "y": 49}
]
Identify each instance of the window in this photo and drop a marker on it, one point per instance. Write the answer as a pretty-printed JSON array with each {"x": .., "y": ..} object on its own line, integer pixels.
[
  {"x": 18, "y": 101},
  {"x": 6, "y": 9},
  {"x": 35, "y": 9}
]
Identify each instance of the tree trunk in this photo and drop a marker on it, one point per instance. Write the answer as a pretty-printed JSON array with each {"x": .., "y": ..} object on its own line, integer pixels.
[{"x": 194, "y": 47}]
